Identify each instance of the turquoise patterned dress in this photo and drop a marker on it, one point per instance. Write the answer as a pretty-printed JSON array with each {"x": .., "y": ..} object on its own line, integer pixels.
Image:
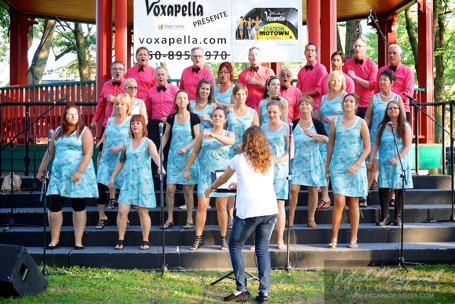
[
  {"x": 379, "y": 108},
  {"x": 277, "y": 142},
  {"x": 389, "y": 175},
  {"x": 347, "y": 149},
  {"x": 329, "y": 108},
  {"x": 115, "y": 135},
  {"x": 307, "y": 166},
  {"x": 238, "y": 125},
  {"x": 207, "y": 111},
  {"x": 138, "y": 188},
  {"x": 68, "y": 155},
  {"x": 136, "y": 107},
  {"x": 213, "y": 156},
  {"x": 181, "y": 136},
  {"x": 224, "y": 97}
]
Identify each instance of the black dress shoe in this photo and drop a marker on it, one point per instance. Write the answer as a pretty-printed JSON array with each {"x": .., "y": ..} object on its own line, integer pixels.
[
  {"x": 51, "y": 247},
  {"x": 398, "y": 221},
  {"x": 244, "y": 296},
  {"x": 262, "y": 299},
  {"x": 79, "y": 247},
  {"x": 385, "y": 221}
]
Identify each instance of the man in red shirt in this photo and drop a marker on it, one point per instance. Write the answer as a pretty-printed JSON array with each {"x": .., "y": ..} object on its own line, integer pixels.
[
  {"x": 363, "y": 71},
  {"x": 290, "y": 92},
  {"x": 254, "y": 78},
  {"x": 193, "y": 74},
  {"x": 111, "y": 88},
  {"x": 160, "y": 103},
  {"x": 309, "y": 77},
  {"x": 405, "y": 76},
  {"x": 142, "y": 72},
  {"x": 337, "y": 61}
]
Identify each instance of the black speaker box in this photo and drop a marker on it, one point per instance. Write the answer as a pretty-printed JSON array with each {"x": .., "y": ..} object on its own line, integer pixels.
[{"x": 19, "y": 275}]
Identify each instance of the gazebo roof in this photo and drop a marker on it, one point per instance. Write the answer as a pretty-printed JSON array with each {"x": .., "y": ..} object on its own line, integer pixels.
[{"x": 85, "y": 10}]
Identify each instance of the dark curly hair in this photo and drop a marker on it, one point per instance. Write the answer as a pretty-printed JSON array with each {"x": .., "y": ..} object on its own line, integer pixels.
[{"x": 257, "y": 149}]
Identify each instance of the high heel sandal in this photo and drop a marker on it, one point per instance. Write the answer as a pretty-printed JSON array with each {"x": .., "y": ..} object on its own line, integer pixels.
[
  {"x": 224, "y": 243},
  {"x": 323, "y": 205},
  {"x": 197, "y": 243},
  {"x": 111, "y": 204},
  {"x": 102, "y": 223}
]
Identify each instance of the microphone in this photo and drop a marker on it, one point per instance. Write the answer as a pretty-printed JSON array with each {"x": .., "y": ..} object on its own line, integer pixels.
[
  {"x": 60, "y": 23},
  {"x": 60, "y": 100},
  {"x": 370, "y": 15},
  {"x": 51, "y": 133},
  {"x": 410, "y": 97},
  {"x": 161, "y": 125},
  {"x": 291, "y": 125},
  {"x": 390, "y": 124}
]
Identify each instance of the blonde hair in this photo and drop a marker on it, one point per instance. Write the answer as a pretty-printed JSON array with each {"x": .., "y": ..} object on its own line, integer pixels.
[
  {"x": 126, "y": 99},
  {"x": 332, "y": 76}
]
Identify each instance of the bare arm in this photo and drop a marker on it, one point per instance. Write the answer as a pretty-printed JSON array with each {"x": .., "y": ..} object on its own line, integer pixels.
[
  {"x": 191, "y": 144},
  {"x": 369, "y": 112},
  {"x": 117, "y": 168},
  {"x": 365, "y": 134},
  {"x": 51, "y": 152},
  {"x": 193, "y": 155}
]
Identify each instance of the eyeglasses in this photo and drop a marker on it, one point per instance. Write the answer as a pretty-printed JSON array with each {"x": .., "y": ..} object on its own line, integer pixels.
[
  {"x": 393, "y": 108},
  {"x": 223, "y": 72},
  {"x": 286, "y": 75},
  {"x": 117, "y": 69},
  {"x": 198, "y": 56},
  {"x": 131, "y": 88}
]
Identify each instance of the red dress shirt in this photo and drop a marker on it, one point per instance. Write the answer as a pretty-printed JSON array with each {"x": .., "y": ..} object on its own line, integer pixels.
[
  {"x": 255, "y": 93},
  {"x": 105, "y": 107},
  {"x": 292, "y": 94},
  {"x": 161, "y": 104},
  {"x": 190, "y": 79},
  {"x": 309, "y": 80},
  {"x": 145, "y": 79},
  {"x": 367, "y": 71}
]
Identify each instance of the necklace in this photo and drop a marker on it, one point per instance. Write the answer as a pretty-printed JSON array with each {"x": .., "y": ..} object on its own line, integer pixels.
[
  {"x": 386, "y": 96},
  {"x": 202, "y": 104}
]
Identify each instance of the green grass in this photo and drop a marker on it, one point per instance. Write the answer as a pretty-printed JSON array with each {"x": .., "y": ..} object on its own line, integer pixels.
[{"x": 420, "y": 284}]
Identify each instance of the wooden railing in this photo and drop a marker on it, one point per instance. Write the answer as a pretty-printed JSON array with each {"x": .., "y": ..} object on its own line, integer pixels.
[{"x": 21, "y": 105}]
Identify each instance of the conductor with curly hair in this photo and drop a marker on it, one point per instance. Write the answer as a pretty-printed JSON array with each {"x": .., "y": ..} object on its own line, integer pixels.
[{"x": 256, "y": 210}]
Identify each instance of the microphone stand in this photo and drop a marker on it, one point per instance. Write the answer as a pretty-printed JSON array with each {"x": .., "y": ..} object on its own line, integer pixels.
[
  {"x": 164, "y": 268},
  {"x": 43, "y": 199},
  {"x": 11, "y": 221},
  {"x": 401, "y": 261},
  {"x": 289, "y": 178}
]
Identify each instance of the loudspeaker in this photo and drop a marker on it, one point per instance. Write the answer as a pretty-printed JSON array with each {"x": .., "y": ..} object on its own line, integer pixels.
[{"x": 19, "y": 275}]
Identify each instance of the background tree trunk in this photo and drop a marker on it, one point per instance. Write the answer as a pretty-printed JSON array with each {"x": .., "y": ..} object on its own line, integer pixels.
[
  {"x": 339, "y": 46},
  {"x": 82, "y": 51},
  {"x": 439, "y": 28},
  {"x": 39, "y": 62},
  {"x": 412, "y": 36},
  {"x": 353, "y": 31}
]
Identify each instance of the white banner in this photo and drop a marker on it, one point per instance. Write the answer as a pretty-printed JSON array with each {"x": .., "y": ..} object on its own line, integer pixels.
[{"x": 225, "y": 29}]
